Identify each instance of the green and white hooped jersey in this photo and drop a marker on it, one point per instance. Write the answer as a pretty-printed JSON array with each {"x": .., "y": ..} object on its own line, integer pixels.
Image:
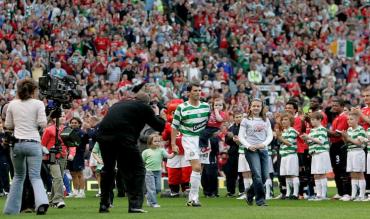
[
  {"x": 356, "y": 134},
  {"x": 191, "y": 120},
  {"x": 241, "y": 149},
  {"x": 289, "y": 135},
  {"x": 321, "y": 134}
]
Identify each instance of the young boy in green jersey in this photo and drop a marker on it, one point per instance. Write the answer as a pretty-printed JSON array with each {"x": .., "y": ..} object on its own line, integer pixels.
[
  {"x": 318, "y": 143},
  {"x": 289, "y": 165},
  {"x": 354, "y": 138}
]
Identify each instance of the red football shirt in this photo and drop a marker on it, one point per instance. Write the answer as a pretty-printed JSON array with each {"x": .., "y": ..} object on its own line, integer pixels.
[
  {"x": 339, "y": 123},
  {"x": 366, "y": 112}
]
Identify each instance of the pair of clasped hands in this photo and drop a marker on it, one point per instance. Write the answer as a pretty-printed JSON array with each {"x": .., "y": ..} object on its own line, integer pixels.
[{"x": 252, "y": 147}]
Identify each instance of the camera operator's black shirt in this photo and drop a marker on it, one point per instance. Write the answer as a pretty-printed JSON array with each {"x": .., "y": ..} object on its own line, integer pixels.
[{"x": 126, "y": 119}]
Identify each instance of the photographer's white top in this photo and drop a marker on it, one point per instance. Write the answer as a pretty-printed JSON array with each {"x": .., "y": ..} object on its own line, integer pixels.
[{"x": 25, "y": 117}]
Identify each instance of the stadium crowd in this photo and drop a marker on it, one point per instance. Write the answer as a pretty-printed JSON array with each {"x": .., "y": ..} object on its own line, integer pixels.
[{"x": 307, "y": 54}]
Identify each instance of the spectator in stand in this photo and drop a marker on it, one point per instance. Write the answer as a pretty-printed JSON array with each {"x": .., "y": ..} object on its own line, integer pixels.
[
  {"x": 254, "y": 76},
  {"x": 58, "y": 71},
  {"x": 23, "y": 73}
]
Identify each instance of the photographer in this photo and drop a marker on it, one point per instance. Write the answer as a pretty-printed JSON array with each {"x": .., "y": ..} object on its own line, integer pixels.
[
  {"x": 4, "y": 165},
  {"x": 24, "y": 115},
  {"x": 56, "y": 161},
  {"x": 117, "y": 137}
]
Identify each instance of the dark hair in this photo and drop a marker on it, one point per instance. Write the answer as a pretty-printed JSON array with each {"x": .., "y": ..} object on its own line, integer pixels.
[
  {"x": 26, "y": 88},
  {"x": 193, "y": 84},
  {"x": 340, "y": 101},
  {"x": 77, "y": 119},
  {"x": 319, "y": 99},
  {"x": 293, "y": 103},
  {"x": 262, "y": 113}
]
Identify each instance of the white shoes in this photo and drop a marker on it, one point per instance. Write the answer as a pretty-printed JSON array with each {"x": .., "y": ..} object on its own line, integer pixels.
[
  {"x": 152, "y": 205},
  {"x": 359, "y": 199},
  {"x": 242, "y": 197},
  {"x": 316, "y": 198},
  {"x": 80, "y": 194},
  {"x": 61, "y": 205},
  {"x": 337, "y": 196},
  {"x": 346, "y": 198}
]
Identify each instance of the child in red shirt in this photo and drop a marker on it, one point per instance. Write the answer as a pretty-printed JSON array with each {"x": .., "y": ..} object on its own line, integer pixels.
[{"x": 215, "y": 121}]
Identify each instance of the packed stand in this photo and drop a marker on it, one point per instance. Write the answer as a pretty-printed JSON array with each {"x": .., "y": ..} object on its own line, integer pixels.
[{"x": 239, "y": 50}]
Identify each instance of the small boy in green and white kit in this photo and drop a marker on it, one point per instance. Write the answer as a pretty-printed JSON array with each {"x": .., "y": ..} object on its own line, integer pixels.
[
  {"x": 289, "y": 165},
  {"x": 318, "y": 143},
  {"x": 355, "y": 138}
]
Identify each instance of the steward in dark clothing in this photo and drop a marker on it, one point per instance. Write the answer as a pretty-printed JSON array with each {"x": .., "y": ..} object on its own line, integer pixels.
[{"x": 117, "y": 136}]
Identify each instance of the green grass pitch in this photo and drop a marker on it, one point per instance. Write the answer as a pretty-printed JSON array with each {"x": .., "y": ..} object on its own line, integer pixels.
[{"x": 222, "y": 207}]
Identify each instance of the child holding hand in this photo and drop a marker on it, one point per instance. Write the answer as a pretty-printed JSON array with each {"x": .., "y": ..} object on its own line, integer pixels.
[{"x": 153, "y": 157}]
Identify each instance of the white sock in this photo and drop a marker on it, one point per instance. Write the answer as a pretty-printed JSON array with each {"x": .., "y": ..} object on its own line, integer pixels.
[
  {"x": 354, "y": 184},
  {"x": 295, "y": 186},
  {"x": 362, "y": 184},
  {"x": 246, "y": 184},
  {"x": 194, "y": 186},
  {"x": 289, "y": 185},
  {"x": 318, "y": 187},
  {"x": 268, "y": 186},
  {"x": 324, "y": 187}
]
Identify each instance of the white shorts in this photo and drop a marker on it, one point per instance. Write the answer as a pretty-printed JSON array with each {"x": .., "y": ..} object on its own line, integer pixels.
[
  {"x": 191, "y": 147},
  {"x": 368, "y": 162},
  {"x": 177, "y": 162},
  {"x": 356, "y": 160},
  {"x": 289, "y": 165},
  {"x": 271, "y": 166},
  {"x": 243, "y": 165},
  {"x": 320, "y": 163},
  {"x": 92, "y": 161}
]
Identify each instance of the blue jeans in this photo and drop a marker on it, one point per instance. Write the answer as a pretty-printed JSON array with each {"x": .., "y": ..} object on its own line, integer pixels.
[
  {"x": 153, "y": 185},
  {"x": 258, "y": 162},
  {"x": 22, "y": 153}
]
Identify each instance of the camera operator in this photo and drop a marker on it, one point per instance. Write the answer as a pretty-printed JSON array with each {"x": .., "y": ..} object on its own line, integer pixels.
[
  {"x": 56, "y": 160},
  {"x": 4, "y": 165},
  {"x": 25, "y": 114},
  {"x": 117, "y": 136}
]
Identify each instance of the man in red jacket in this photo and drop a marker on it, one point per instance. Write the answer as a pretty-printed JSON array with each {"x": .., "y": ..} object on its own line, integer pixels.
[
  {"x": 300, "y": 125},
  {"x": 338, "y": 151},
  {"x": 57, "y": 163}
]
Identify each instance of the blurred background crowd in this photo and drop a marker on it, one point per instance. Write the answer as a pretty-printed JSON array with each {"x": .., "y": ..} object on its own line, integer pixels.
[{"x": 275, "y": 50}]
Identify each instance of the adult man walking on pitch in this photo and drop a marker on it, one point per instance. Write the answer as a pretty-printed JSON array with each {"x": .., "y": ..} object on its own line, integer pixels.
[{"x": 190, "y": 119}]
